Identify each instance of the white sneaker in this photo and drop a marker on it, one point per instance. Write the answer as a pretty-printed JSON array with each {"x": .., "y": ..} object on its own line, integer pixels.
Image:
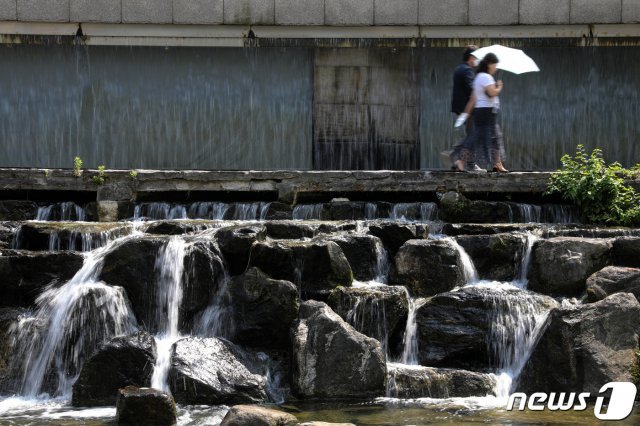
[{"x": 478, "y": 169}]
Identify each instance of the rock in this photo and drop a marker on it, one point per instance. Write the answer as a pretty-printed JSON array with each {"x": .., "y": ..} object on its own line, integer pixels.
[
  {"x": 455, "y": 207},
  {"x": 17, "y": 210},
  {"x": 584, "y": 347},
  {"x": 263, "y": 309},
  {"x": 335, "y": 227},
  {"x": 129, "y": 360},
  {"x": 172, "y": 227},
  {"x": 586, "y": 231},
  {"x": 394, "y": 234},
  {"x": 215, "y": 371},
  {"x": 455, "y": 329},
  {"x": 279, "y": 211},
  {"x": 316, "y": 267},
  {"x": 561, "y": 265},
  {"x": 79, "y": 236},
  {"x": 414, "y": 381},
  {"x": 428, "y": 267},
  {"x": 455, "y": 229},
  {"x": 235, "y": 244},
  {"x": 252, "y": 415},
  {"x": 346, "y": 210},
  {"x": 145, "y": 406},
  {"x": 365, "y": 253},
  {"x": 290, "y": 230},
  {"x": 626, "y": 251},
  {"x": 495, "y": 257},
  {"x": 613, "y": 279},
  {"x": 24, "y": 275},
  {"x": 8, "y": 384},
  {"x": 7, "y": 230},
  {"x": 331, "y": 359},
  {"x": 376, "y": 311}
]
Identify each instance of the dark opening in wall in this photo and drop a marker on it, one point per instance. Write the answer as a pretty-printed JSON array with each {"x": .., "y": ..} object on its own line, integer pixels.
[{"x": 189, "y": 196}]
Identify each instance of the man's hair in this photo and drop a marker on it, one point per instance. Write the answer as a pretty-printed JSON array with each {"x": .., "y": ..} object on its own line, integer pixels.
[{"x": 467, "y": 52}]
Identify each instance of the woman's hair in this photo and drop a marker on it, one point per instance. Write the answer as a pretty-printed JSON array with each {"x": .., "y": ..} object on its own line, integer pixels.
[{"x": 489, "y": 58}]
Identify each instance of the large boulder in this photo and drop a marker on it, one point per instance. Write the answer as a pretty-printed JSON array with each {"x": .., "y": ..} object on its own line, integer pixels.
[
  {"x": 456, "y": 329},
  {"x": 215, "y": 371},
  {"x": 145, "y": 406},
  {"x": 346, "y": 210},
  {"x": 235, "y": 244},
  {"x": 561, "y": 266},
  {"x": 279, "y": 211},
  {"x": 455, "y": 229},
  {"x": 613, "y": 279},
  {"x": 172, "y": 227},
  {"x": 455, "y": 207},
  {"x": 24, "y": 275},
  {"x": 414, "y": 381},
  {"x": 263, "y": 309},
  {"x": 17, "y": 210},
  {"x": 495, "y": 257},
  {"x": 394, "y": 234},
  {"x": 331, "y": 359},
  {"x": 129, "y": 360},
  {"x": 584, "y": 347},
  {"x": 8, "y": 317},
  {"x": 253, "y": 415},
  {"x": 79, "y": 236},
  {"x": 428, "y": 267},
  {"x": 365, "y": 253},
  {"x": 290, "y": 230},
  {"x": 316, "y": 267},
  {"x": 626, "y": 251}
]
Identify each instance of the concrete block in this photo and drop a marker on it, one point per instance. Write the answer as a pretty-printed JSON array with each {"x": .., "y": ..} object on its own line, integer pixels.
[
  {"x": 596, "y": 11},
  {"x": 8, "y": 10},
  {"x": 147, "y": 11},
  {"x": 395, "y": 123},
  {"x": 324, "y": 85},
  {"x": 299, "y": 12},
  {"x": 333, "y": 122},
  {"x": 396, "y": 12},
  {"x": 348, "y": 12},
  {"x": 96, "y": 11},
  {"x": 630, "y": 11},
  {"x": 390, "y": 86},
  {"x": 43, "y": 10},
  {"x": 247, "y": 12},
  {"x": 493, "y": 12},
  {"x": 443, "y": 12},
  {"x": 197, "y": 12},
  {"x": 342, "y": 57},
  {"x": 544, "y": 11}
]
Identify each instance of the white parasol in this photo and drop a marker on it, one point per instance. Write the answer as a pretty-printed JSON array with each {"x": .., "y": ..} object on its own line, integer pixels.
[{"x": 512, "y": 60}]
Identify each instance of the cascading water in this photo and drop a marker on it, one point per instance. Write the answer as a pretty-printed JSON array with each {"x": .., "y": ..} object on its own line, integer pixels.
[
  {"x": 66, "y": 211},
  {"x": 521, "y": 281},
  {"x": 470, "y": 272},
  {"x": 410, "y": 339},
  {"x": 307, "y": 211}
]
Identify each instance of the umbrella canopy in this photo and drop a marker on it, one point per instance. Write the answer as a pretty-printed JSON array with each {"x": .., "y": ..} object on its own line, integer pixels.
[{"x": 512, "y": 60}]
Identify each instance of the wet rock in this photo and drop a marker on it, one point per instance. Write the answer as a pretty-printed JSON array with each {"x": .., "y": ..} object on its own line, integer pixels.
[
  {"x": 613, "y": 279},
  {"x": 7, "y": 230},
  {"x": 454, "y": 329},
  {"x": 561, "y": 265},
  {"x": 455, "y": 207},
  {"x": 24, "y": 275},
  {"x": 495, "y": 257},
  {"x": 428, "y": 267},
  {"x": 129, "y": 360},
  {"x": 215, "y": 371},
  {"x": 172, "y": 227},
  {"x": 586, "y": 231},
  {"x": 252, "y": 415},
  {"x": 17, "y": 210},
  {"x": 455, "y": 229},
  {"x": 80, "y": 236},
  {"x": 346, "y": 210},
  {"x": 584, "y": 347},
  {"x": 626, "y": 251},
  {"x": 290, "y": 230},
  {"x": 394, "y": 234},
  {"x": 316, "y": 267},
  {"x": 8, "y": 316},
  {"x": 414, "y": 381},
  {"x": 235, "y": 244},
  {"x": 263, "y": 309},
  {"x": 334, "y": 227},
  {"x": 365, "y": 253},
  {"x": 331, "y": 359},
  {"x": 145, "y": 406},
  {"x": 279, "y": 211}
]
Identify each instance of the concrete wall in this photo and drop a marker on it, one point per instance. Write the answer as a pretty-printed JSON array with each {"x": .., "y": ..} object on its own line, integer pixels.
[{"x": 325, "y": 12}]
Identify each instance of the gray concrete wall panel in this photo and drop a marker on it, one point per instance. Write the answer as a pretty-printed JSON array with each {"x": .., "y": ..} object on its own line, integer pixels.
[
  {"x": 8, "y": 10},
  {"x": 248, "y": 12},
  {"x": 147, "y": 11},
  {"x": 197, "y": 12},
  {"x": 595, "y": 11},
  {"x": 544, "y": 11},
  {"x": 493, "y": 12},
  {"x": 43, "y": 10},
  {"x": 630, "y": 11},
  {"x": 443, "y": 12},
  {"x": 107, "y": 11},
  {"x": 396, "y": 12},
  {"x": 349, "y": 12},
  {"x": 299, "y": 12}
]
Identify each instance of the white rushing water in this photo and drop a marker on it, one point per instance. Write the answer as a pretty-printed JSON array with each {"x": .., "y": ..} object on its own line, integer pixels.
[
  {"x": 410, "y": 339},
  {"x": 66, "y": 211}
]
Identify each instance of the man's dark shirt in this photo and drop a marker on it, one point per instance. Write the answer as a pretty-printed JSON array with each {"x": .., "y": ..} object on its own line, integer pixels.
[{"x": 462, "y": 86}]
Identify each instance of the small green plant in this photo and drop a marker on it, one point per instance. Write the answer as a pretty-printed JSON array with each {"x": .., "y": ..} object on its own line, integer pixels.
[
  {"x": 133, "y": 174},
  {"x": 598, "y": 189},
  {"x": 46, "y": 172},
  {"x": 99, "y": 178},
  {"x": 77, "y": 167}
]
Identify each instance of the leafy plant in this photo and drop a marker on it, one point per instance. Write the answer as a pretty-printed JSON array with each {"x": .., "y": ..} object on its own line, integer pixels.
[
  {"x": 99, "y": 178},
  {"x": 133, "y": 174},
  {"x": 598, "y": 189},
  {"x": 77, "y": 167}
]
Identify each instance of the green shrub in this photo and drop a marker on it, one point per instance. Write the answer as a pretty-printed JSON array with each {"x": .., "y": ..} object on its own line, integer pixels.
[
  {"x": 598, "y": 189},
  {"x": 77, "y": 166},
  {"x": 99, "y": 178}
]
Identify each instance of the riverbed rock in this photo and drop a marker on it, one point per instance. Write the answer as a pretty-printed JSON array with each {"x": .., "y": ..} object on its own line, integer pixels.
[
  {"x": 235, "y": 244},
  {"x": 561, "y": 265},
  {"x": 18, "y": 210},
  {"x": 346, "y": 210},
  {"x": 79, "y": 236},
  {"x": 394, "y": 234},
  {"x": 455, "y": 328},
  {"x": 455, "y": 229},
  {"x": 316, "y": 267},
  {"x": 25, "y": 274},
  {"x": 495, "y": 257},
  {"x": 172, "y": 227},
  {"x": 290, "y": 230},
  {"x": 263, "y": 309},
  {"x": 584, "y": 347},
  {"x": 215, "y": 371},
  {"x": 279, "y": 211},
  {"x": 415, "y": 381},
  {"x": 123, "y": 361},
  {"x": 428, "y": 267},
  {"x": 626, "y": 251},
  {"x": 145, "y": 406},
  {"x": 253, "y": 415},
  {"x": 455, "y": 207},
  {"x": 331, "y": 359},
  {"x": 365, "y": 253},
  {"x": 613, "y": 279}
]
